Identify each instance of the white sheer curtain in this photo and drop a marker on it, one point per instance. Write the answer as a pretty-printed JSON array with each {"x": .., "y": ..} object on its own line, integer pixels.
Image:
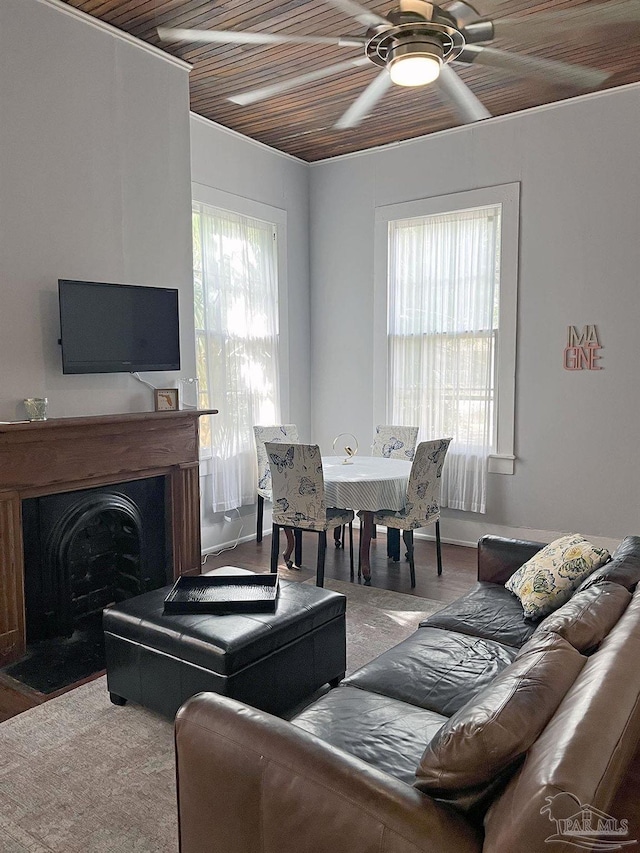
[
  {"x": 236, "y": 318},
  {"x": 442, "y": 338}
]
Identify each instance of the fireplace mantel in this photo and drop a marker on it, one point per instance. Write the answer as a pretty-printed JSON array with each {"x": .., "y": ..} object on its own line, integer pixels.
[{"x": 67, "y": 454}]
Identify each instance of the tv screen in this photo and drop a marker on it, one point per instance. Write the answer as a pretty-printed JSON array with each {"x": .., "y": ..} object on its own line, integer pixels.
[{"x": 118, "y": 328}]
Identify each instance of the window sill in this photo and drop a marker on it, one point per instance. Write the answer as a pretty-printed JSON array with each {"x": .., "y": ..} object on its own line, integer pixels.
[{"x": 501, "y": 463}]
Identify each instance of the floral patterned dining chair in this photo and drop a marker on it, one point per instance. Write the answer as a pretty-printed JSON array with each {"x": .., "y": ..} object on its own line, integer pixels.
[
  {"x": 298, "y": 500},
  {"x": 275, "y": 432},
  {"x": 422, "y": 506},
  {"x": 394, "y": 442}
]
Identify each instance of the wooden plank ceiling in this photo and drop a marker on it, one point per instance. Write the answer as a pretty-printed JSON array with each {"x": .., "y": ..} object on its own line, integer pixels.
[{"x": 300, "y": 122}]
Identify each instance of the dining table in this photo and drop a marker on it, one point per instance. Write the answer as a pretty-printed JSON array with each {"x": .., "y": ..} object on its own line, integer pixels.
[{"x": 366, "y": 484}]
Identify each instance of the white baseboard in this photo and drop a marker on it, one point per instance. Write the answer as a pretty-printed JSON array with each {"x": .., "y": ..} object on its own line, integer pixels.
[{"x": 228, "y": 546}]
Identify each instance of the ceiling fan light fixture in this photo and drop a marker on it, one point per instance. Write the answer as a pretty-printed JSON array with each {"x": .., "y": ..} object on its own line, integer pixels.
[
  {"x": 416, "y": 62},
  {"x": 414, "y": 70}
]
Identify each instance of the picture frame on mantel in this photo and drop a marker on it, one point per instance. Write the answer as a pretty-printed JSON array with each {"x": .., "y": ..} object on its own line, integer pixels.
[{"x": 165, "y": 399}]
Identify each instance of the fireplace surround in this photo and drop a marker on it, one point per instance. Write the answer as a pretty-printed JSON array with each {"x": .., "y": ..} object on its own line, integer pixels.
[{"x": 70, "y": 455}]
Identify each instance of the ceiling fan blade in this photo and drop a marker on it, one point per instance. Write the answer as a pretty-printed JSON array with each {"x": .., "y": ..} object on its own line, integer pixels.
[
  {"x": 248, "y": 37},
  {"x": 360, "y": 13},
  {"x": 256, "y": 95},
  {"x": 460, "y": 96},
  {"x": 463, "y": 12},
  {"x": 567, "y": 21},
  {"x": 365, "y": 102},
  {"x": 534, "y": 66}
]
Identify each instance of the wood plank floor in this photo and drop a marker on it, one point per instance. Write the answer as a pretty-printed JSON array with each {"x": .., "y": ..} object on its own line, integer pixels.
[{"x": 459, "y": 573}]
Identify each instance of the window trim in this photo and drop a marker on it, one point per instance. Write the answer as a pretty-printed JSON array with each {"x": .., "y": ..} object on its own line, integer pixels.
[
  {"x": 203, "y": 194},
  {"x": 502, "y": 461}
]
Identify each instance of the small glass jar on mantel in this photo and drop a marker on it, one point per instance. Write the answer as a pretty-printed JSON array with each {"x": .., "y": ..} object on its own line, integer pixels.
[{"x": 188, "y": 393}]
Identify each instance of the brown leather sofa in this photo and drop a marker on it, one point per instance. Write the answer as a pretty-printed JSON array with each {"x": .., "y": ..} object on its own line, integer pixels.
[{"x": 340, "y": 777}]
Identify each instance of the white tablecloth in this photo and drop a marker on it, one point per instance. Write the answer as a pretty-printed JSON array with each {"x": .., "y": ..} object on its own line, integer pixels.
[{"x": 370, "y": 483}]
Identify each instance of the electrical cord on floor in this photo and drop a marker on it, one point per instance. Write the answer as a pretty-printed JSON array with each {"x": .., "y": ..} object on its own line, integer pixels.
[{"x": 230, "y": 547}]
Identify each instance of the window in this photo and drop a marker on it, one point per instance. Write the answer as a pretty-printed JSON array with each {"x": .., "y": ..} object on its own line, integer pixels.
[
  {"x": 450, "y": 332},
  {"x": 237, "y": 342}
]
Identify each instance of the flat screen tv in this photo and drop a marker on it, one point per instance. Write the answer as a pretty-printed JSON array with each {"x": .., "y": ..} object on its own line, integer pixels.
[{"x": 118, "y": 328}]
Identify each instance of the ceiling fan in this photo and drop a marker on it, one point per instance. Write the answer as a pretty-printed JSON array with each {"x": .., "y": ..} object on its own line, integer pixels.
[{"x": 416, "y": 43}]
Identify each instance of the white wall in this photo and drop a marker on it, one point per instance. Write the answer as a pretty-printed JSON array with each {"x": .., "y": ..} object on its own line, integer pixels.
[
  {"x": 576, "y": 445},
  {"x": 229, "y": 163},
  {"x": 94, "y": 184}
]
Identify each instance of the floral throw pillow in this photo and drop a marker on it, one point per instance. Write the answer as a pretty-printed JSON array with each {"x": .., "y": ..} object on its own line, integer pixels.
[{"x": 549, "y": 578}]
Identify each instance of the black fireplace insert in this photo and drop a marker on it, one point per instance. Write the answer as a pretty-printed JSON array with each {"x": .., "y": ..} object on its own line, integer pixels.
[{"x": 84, "y": 550}]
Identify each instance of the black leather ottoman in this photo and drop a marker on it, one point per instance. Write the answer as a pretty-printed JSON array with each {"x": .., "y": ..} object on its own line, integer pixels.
[{"x": 269, "y": 660}]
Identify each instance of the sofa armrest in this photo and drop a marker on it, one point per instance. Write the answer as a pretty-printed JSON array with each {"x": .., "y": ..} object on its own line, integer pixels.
[
  {"x": 499, "y": 558},
  {"x": 250, "y": 782}
]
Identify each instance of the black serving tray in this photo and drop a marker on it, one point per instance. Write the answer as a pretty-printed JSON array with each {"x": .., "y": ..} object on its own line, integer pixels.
[{"x": 223, "y": 594}]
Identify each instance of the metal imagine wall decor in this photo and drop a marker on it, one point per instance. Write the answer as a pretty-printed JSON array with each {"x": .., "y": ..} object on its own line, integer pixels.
[{"x": 582, "y": 351}]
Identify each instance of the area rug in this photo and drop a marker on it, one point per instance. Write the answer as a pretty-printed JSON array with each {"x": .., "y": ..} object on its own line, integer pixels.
[
  {"x": 378, "y": 619},
  {"x": 80, "y": 775}
]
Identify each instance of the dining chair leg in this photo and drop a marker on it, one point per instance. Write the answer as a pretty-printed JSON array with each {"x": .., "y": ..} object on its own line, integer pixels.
[
  {"x": 374, "y": 532},
  {"x": 438, "y": 547},
  {"x": 342, "y": 536},
  {"x": 297, "y": 557},
  {"x": 393, "y": 544},
  {"x": 337, "y": 534},
  {"x": 351, "y": 549},
  {"x": 407, "y": 535},
  {"x": 259, "y": 519},
  {"x": 322, "y": 549},
  {"x": 288, "y": 551},
  {"x": 275, "y": 547}
]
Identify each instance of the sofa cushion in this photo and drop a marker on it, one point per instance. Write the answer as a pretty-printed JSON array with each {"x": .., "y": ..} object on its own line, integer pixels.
[
  {"x": 384, "y": 732},
  {"x": 623, "y": 568},
  {"x": 547, "y": 580},
  {"x": 489, "y": 611},
  {"x": 487, "y": 736},
  {"x": 586, "y": 619},
  {"x": 434, "y": 669}
]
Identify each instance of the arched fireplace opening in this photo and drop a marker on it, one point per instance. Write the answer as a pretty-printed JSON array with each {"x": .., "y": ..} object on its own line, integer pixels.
[
  {"x": 93, "y": 553},
  {"x": 85, "y": 550}
]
